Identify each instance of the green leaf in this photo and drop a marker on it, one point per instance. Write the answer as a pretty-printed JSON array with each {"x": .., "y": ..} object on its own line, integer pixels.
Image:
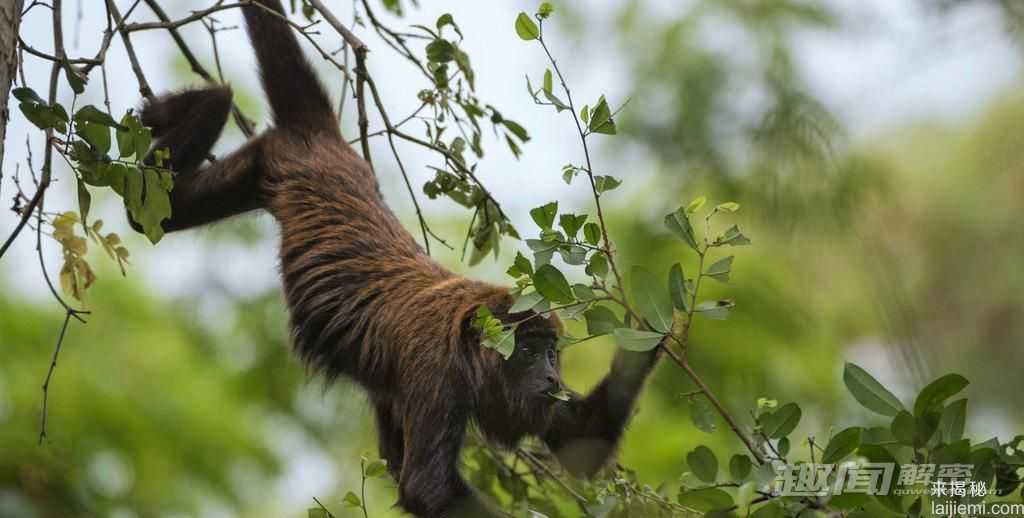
[
  {"x": 592, "y": 233},
  {"x": 679, "y": 223},
  {"x": 545, "y": 9},
  {"x": 951, "y": 424},
  {"x": 377, "y": 468},
  {"x": 703, "y": 464},
  {"x": 526, "y": 28},
  {"x": 518, "y": 130},
  {"x": 902, "y": 428},
  {"x": 573, "y": 254},
  {"x": 520, "y": 266},
  {"x": 733, "y": 237},
  {"x": 739, "y": 468},
  {"x": 769, "y": 510},
  {"x": 876, "y": 435},
  {"x": 598, "y": 266},
  {"x": 84, "y": 203},
  {"x": 869, "y": 392},
  {"x": 97, "y": 135},
  {"x": 601, "y": 320},
  {"x": 634, "y": 340},
  {"x": 493, "y": 334},
  {"x": 548, "y": 81},
  {"x": 841, "y": 445},
  {"x": 504, "y": 343},
  {"x": 651, "y": 299},
  {"x": 781, "y": 422},
  {"x": 714, "y": 309},
  {"x": 705, "y": 500},
  {"x": 462, "y": 60},
  {"x": 440, "y": 51},
  {"x": 544, "y": 216},
  {"x": 703, "y": 414},
  {"x": 27, "y": 95},
  {"x": 125, "y": 140},
  {"x": 583, "y": 292},
  {"x": 729, "y": 206},
  {"x": 696, "y": 204},
  {"x": 720, "y": 269},
  {"x": 937, "y": 392},
  {"x": 352, "y": 500},
  {"x": 316, "y": 512},
  {"x": 606, "y": 183},
  {"x": 90, "y": 113},
  {"x": 677, "y": 288},
  {"x": 913, "y": 430},
  {"x": 142, "y": 138},
  {"x": 552, "y": 284},
  {"x": 526, "y": 301},
  {"x": 601, "y": 119},
  {"x": 447, "y": 19},
  {"x": 585, "y": 113},
  {"x": 148, "y": 202},
  {"x": 571, "y": 223},
  {"x": 45, "y": 117},
  {"x": 763, "y": 475},
  {"x": 783, "y": 446}
]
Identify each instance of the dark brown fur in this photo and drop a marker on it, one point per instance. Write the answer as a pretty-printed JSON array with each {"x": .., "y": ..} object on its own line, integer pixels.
[{"x": 366, "y": 303}]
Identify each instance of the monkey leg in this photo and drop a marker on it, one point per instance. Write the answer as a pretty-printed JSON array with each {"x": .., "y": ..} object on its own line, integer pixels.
[{"x": 430, "y": 485}]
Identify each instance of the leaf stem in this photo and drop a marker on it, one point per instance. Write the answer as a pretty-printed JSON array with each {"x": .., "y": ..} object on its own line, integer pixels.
[{"x": 586, "y": 155}]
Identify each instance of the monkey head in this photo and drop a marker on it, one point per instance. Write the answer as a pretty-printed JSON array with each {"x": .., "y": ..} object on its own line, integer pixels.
[{"x": 533, "y": 366}]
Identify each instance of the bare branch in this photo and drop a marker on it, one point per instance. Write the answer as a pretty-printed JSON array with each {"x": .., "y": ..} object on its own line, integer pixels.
[
  {"x": 144, "y": 88},
  {"x": 49, "y": 376}
]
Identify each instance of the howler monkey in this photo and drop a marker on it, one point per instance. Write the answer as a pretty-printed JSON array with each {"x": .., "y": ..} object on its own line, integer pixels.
[{"x": 367, "y": 303}]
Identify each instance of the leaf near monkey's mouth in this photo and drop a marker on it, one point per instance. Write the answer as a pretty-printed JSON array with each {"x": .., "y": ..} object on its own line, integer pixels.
[{"x": 560, "y": 395}]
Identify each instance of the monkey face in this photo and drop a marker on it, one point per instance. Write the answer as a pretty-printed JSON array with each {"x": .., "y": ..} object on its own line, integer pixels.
[{"x": 533, "y": 366}]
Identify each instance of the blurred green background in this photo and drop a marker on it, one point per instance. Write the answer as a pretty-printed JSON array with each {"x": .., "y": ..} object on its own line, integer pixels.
[{"x": 896, "y": 247}]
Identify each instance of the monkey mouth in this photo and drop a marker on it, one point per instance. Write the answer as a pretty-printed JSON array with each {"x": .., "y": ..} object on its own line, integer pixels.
[{"x": 560, "y": 394}]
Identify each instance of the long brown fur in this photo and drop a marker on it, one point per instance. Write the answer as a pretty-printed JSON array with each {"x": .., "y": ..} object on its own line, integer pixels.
[{"x": 367, "y": 303}]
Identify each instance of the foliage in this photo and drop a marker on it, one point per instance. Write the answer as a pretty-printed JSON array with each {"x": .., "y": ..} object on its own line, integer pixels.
[{"x": 143, "y": 186}]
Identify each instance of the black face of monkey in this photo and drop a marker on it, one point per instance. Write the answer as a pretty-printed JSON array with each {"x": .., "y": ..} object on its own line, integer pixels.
[{"x": 534, "y": 366}]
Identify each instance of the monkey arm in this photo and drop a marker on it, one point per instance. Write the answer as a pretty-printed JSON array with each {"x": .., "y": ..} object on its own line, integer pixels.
[
  {"x": 224, "y": 188},
  {"x": 586, "y": 430}
]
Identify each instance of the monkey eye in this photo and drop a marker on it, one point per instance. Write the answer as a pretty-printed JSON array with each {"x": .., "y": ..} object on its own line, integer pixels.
[{"x": 551, "y": 355}]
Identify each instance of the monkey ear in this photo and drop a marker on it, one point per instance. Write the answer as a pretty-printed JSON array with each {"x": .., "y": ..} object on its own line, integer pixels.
[{"x": 557, "y": 323}]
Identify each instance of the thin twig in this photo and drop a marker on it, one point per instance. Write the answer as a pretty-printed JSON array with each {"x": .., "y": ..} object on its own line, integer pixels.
[
  {"x": 586, "y": 154},
  {"x": 144, "y": 88},
  {"x": 49, "y": 376},
  {"x": 529, "y": 457},
  {"x": 329, "y": 515},
  {"x": 682, "y": 362}
]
